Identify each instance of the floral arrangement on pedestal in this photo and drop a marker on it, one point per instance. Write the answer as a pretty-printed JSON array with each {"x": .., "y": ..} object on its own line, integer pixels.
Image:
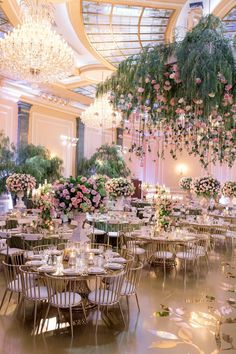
[
  {"x": 229, "y": 189},
  {"x": 79, "y": 194},
  {"x": 164, "y": 208},
  {"x": 19, "y": 184},
  {"x": 185, "y": 183},
  {"x": 207, "y": 187},
  {"x": 119, "y": 187}
]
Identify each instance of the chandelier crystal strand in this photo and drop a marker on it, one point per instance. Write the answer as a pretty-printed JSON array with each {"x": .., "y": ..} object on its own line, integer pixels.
[
  {"x": 101, "y": 115},
  {"x": 33, "y": 51}
]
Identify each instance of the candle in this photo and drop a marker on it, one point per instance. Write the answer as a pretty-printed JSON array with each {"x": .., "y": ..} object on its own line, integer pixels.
[{"x": 91, "y": 258}]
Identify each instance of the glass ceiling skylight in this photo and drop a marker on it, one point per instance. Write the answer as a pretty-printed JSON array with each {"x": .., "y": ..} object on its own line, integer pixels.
[
  {"x": 118, "y": 31},
  {"x": 230, "y": 24},
  {"x": 88, "y": 91}
]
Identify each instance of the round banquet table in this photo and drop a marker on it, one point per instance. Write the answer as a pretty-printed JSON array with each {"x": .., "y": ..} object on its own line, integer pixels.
[
  {"x": 227, "y": 218},
  {"x": 84, "y": 277}
]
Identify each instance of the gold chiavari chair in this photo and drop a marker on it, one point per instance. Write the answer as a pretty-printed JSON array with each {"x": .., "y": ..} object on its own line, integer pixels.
[
  {"x": 41, "y": 248},
  {"x": 131, "y": 282},
  {"x": 131, "y": 244},
  {"x": 63, "y": 294},
  {"x": 115, "y": 233},
  {"x": 33, "y": 289},
  {"x": 13, "y": 282},
  {"x": 107, "y": 293},
  {"x": 163, "y": 254},
  {"x": 100, "y": 246},
  {"x": 218, "y": 236},
  {"x": 187, "y": 254}
]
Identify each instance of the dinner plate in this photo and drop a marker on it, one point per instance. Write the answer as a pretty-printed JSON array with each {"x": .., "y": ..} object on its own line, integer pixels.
[
  {"x": 118, "y": 260},
  {"x": 35, "y": 256},
  {"x": 95, "y": 270},
  {"x": 95, "y": 250},
  {"x": 70, "y": 271},
  {"x": 47, "y": 269},
  {"x": 114, "y": 266},
  {"x": 35, "y": 263}
]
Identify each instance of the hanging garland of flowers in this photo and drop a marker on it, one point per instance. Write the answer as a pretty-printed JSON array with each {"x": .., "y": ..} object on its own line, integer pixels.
[{"x": 182, "y": 94}]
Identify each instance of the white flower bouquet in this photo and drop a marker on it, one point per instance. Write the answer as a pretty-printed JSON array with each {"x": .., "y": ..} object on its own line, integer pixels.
[
  {"x": 206, "y": 187},
  {"x": 119, "y": 187},
  {"x": 229, "y": 189}
]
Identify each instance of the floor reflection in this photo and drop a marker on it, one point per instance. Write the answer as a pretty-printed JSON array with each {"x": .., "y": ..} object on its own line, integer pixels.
[{"x": 197, "y": 315}]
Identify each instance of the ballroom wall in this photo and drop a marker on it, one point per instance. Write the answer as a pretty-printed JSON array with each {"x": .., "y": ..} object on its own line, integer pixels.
[
  {"x": 45, "y": 127},
  {"x": 156, "y": 170},
  {"x": 9, "y": 119}
]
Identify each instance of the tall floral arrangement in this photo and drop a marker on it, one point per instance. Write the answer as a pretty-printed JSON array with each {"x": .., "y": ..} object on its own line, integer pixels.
[
  {"x": 81, "y": 194},
  {"x": 185, "y": 183},
  {"x": 20, "y": 182},
  {"x": 164, "y": 208},
  {"x": 45, "y": 202},
  {"x": 229, "y": 189},
  {"x": 119, "y": 187},
  {"x": 206, "y": 187}
]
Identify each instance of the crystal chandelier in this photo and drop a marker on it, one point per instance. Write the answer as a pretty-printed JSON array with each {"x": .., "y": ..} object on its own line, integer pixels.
[
  {"x": 33, "y": 51},
  {"x": 101, "y": 115}
]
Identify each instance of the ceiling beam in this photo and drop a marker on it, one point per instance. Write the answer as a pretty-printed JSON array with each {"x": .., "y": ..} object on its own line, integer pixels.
[{"x": 224, "y": 7}]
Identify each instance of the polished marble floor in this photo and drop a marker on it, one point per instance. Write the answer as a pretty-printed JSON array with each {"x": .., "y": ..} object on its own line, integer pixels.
[{"x": 185, "y": 317}]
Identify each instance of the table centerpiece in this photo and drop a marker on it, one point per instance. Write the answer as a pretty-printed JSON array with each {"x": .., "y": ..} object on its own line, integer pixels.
[
  {"x": 20, "y": 184},
  {"x": 119, "y": 189},
  {"x": 207, "y": 189},
  {"x": 229, "y": 190}
]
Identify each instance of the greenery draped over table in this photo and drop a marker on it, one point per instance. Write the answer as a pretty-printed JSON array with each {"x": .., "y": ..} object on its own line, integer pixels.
[{"x": 182, "y": 92}]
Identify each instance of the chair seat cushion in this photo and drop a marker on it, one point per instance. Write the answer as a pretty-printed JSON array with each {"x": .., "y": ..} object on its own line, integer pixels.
[
  {"x": 99, "y": 232},
  {"x": 163, "y": 255},
  {"x": 218, "y": 236},
  {"x": 37, "y": 292},
  {"x": 127, "y": 288},
  {"x": 65, "y": 299},
  {"x": 11, "y": 251},
  {"x": 137, "y": 250},
  {"x": 113, "y": 234},
  {"x": 15, "y": 285},
  {"x": 103, "y": 297},
  {"x": 185, "y": 255}
]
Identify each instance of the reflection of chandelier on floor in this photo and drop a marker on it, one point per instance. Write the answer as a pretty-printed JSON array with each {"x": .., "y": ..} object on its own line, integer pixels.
[
  {"x": 101, "y": 115},
  {"x": 33, "y": 51}
]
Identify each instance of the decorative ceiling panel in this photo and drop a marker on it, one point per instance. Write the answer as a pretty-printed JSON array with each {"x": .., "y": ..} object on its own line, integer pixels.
[
  {"x": 118, "y": 31},
  {"x": 230, "y": 24}
]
